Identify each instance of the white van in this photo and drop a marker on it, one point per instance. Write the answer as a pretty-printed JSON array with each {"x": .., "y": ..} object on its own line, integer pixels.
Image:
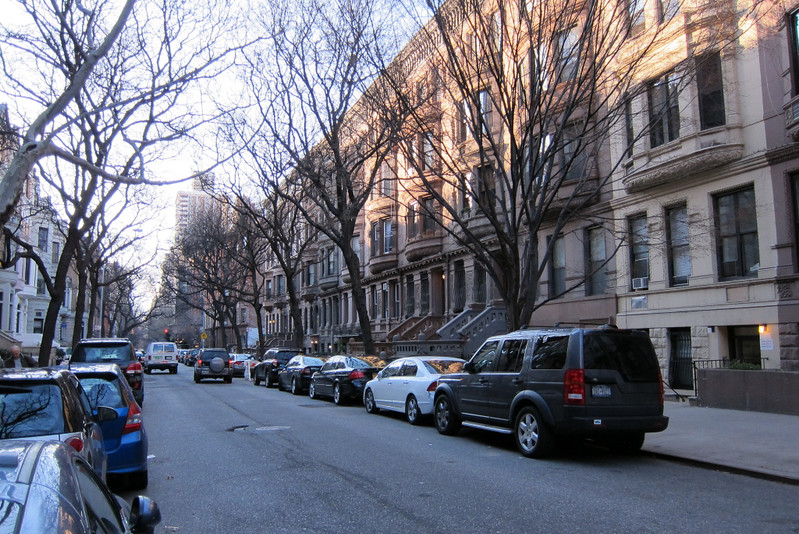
[{"x": 161, "y": 355}]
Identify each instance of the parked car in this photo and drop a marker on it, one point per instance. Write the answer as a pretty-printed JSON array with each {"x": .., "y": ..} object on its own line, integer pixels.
[
  {"x": 239, "y": 362},
  {"x": 343, "y": 378},
  {"x": 182, "y": 353},
  {"x": 213, "y": 363},
  {"x": 544, "y": 384},
  {"x": 295, "y": 376},
  {"x": 408, "y": 385},
  {"x": 51, "y": 404},
  {"x": 125, "y": 438},
  {"x": 161, "y": 355},
  {"x": 266, "y": 371},
  {"x": 191, "y": 357},
  {"x": 112, "y": 350},
  {"x": 49, "y": 487}
]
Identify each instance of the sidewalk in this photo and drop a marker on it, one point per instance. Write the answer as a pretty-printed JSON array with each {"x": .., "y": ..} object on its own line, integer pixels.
[{"x": 765, "y": 444}]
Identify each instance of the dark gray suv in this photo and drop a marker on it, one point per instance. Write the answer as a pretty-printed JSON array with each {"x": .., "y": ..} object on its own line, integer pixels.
[
  {"x": 213, "y": 363},
  {"x": 112, "y": 350},
  {"x": 546, "y": 384}
]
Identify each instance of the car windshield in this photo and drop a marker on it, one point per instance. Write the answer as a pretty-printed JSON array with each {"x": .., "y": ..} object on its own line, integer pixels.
[
  {"x": 357, "y": 363},
  {"x": 239, "y": 357},
  {"x": 309, "y": 360},
  {"x": 632, "y": 356},
  {"x": 443, "y": 367},
  {"x": 28, "y": 410},
  {"x": 104, "y": 353},
  {"x": 102, "y": 392},
  {"x": 211, "y": 354},
  {"x": 284, "y": 357}
]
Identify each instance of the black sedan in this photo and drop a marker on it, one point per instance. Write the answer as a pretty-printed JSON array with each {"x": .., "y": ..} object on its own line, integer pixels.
[
  {"x": 343, "y": 378},
  {"x": 45, "y": 486},
  {"x": 296, "y": 375}
]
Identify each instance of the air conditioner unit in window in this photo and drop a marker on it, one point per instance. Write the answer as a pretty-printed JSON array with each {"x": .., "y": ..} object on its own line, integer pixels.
[{"x": 641, "y": 283}]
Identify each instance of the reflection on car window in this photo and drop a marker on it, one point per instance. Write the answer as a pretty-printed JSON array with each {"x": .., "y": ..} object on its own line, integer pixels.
[
  {"x": 511, "y": 356},
  {"x": 633, "y": 357},
  {"x": 483, "y": 360},
  {"x": 392, "y": 369},
  {"x": 443, "y": 367},
  {"x": 102, "y": 511},
  {"x": 550, "y": 353},
  {"x": 102, "y": 392},
  {"x": 31, "y": 410},
  {"x": 409, "y": 369},
  {"x": 86, "y": 353}
]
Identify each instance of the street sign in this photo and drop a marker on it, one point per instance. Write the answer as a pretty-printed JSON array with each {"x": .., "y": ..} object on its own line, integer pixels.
[{"x": 203, "y": 336}]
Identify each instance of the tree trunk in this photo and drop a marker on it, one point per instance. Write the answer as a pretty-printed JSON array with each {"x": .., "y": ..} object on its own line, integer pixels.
[{"x": 359, "y": 297}]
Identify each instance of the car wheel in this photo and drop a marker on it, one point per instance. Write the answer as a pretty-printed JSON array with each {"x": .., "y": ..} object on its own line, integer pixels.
[
  {"x": 280, "y": 385},
  {"x": 228, "y": 380},
  {"x": 173, "y": 370},
  {"x": 412, "y": 411},
  {"x": 197, "y": 379},
  {"x": 295, "y": 388},
  {"x": 255, "y": 380},
  {"x": 369, "y": 402},
  {"x": 337, "y": 398},
  {"x": 533, "y": 438},
  {"x": 446, "y": 421},
  {"x": 138, "y": 480},
  {"x": 629, "y": 443},
  {"x": 146, "y": 371},
  {"x": 312, "y": 390}
]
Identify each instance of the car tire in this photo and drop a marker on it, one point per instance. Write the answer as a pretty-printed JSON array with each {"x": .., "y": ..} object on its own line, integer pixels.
[
  {"x": 295, "y": 388},
  {"x": 173, "y": 370},
  {"x": 216, "y": 365},
  {"x": 197, "y": 379},
  {"x": 444, "y": 416},
  {"x": 312, "y": 390},
  {"x": 255, "y": 380},
  {"x": 534, "y": 439},
  {"x": 147, "y": 370},
  {"x": 337, "y": 397},
  {"x": 280, "y": 385},
  {"x": 412, "y": 411},
  {"x": 628, "y": 443},
  {"x": 228, "y": 380},
  {"x": 369, "y": 402},
  {"x": 137, "y": 480}
]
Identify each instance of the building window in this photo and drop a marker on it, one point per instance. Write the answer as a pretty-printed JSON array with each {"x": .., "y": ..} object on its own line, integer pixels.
[
  {"x": 793, "y": 49},
  {"x": 710, "y": 86},
  {"x": 41, "y": 288},
  {"x": 595, "y": 262},
  {"x": 388, "y": 236},
  {"x": 386, "y": 180},
  {"x": 639, "y": 252},
  {"x": 464, "y": 203},
  {"x": 38, "y": 325},
  {"x": 44, "y": 238},
  {"x": 568, "y": 43},
  {"x": 736, "y": 228},
  {"x": 485, "y": 187},
  {"x": 679, "y": 250},
  {"x": 557, "y": 268},
  {"x": 664, "y": 111},
  {"x": 397, "y": 301},
  {"x": 486, "y": 110},
  {"x": 428, "y": 151},
  {"x": 635, "y": 16},
  {"x": 464, "y": 120},
  {"x": 459, "y": 286},
  {"x": 573, "y": 153},
  {"x": 667, "y": 10},
  {"x": 374, "y": 239},
  {"x": 745, "y": 344},
  {"x": 480, "y": 294},
  {"x": 384, "y": 298},
  {"x": 629, "y": 130},
  {"x": 56, "y": 252},
  {"x": 410, "y": 297},
  {"x": 428, "y": 215},
  {"x": 795, "y": 190},
  {"x": 424, "y": 294},
  {"x": 411, "y": 226},
  {"x": 2, "y": 307},
  {"x": 373, "y": 313}
]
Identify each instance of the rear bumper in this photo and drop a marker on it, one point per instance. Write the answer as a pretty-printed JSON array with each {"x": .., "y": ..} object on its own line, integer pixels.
[
  {"x": 161, "y": 365},
  {"x": 598, "y": 426},
  {"x": 130, "y": 456}
]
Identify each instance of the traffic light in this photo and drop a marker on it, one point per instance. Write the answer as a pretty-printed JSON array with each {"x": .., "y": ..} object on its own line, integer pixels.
[{"x": 166, "y": 334}]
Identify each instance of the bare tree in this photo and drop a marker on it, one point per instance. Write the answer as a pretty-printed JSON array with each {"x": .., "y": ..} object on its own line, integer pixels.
[
  {"x": 313, "y": 83},
  {"x": 511, "y": 137}
]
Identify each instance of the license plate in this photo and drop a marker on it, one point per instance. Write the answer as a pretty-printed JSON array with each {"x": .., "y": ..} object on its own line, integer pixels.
[
  {"x": 600, "y": 391},
  {"x": 168, "y": 357}
]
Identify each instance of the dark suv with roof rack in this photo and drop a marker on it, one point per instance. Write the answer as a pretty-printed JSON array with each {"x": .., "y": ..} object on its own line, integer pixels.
[
  {"x": 542, "y": 385},
  {"x": 116, "y": 350}
]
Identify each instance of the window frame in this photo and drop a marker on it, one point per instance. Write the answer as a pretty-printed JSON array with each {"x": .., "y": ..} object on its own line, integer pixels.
[
  {"x": 664, "y": 110},
  {"x": 739, "y": 235}
]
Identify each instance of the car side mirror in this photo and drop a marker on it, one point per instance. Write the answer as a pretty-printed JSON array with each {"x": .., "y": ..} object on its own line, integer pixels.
[
  {"x": 104, "y": 413},
  {"x": 469, "y": 367},
  {"x": 144, "y": 515}
]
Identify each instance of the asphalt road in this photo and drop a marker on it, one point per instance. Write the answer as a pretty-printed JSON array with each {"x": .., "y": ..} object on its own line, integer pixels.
[{"x": 240, "y": 459}]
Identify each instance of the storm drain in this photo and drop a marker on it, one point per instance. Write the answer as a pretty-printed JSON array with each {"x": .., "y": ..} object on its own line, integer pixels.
[
  {"x": 237, "y": 428},
  {"x": 241, "y": 428}
]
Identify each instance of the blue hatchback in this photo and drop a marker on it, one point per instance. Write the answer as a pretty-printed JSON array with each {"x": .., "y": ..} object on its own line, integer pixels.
[{"x": 125, "y": 438}]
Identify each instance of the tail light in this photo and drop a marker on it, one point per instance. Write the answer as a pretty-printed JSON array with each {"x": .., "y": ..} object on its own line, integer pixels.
[
  {"x": 134, "y": 369},
  {"x": 134, "y": 420},
  {"x": 574, "y": 387},
  {"x": 306, "y": 371},
  {"x": 75, "y": 442},
  {"x": 200, "y": 362},
  {"x": 275, "y": 363},
  {"x": 660, "y": 382},
  {"x": 356, "y": 374},
  {"x": 433, "y": 385}
]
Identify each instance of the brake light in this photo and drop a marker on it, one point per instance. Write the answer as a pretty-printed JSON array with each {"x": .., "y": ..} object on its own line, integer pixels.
[
  {"x": 356, "y": 374},
  {"x": 75, "y": 442},
  {"x": 134, "y": 420},
  {"x": 574, "y": 387},
  {"x": 134, "y": 369},
  {"x": 660, "y": 382},
  {"x": 200, "y": 362},
  {"x": 275, "y": 363},
  {"x": 306, "y": 371},
  {"x": 433, "y": 385}
]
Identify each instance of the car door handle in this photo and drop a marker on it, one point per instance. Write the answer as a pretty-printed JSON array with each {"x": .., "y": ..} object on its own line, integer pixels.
[
  {"x": 482, "y": 380},
  {"x": 517, "y": 381}
]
